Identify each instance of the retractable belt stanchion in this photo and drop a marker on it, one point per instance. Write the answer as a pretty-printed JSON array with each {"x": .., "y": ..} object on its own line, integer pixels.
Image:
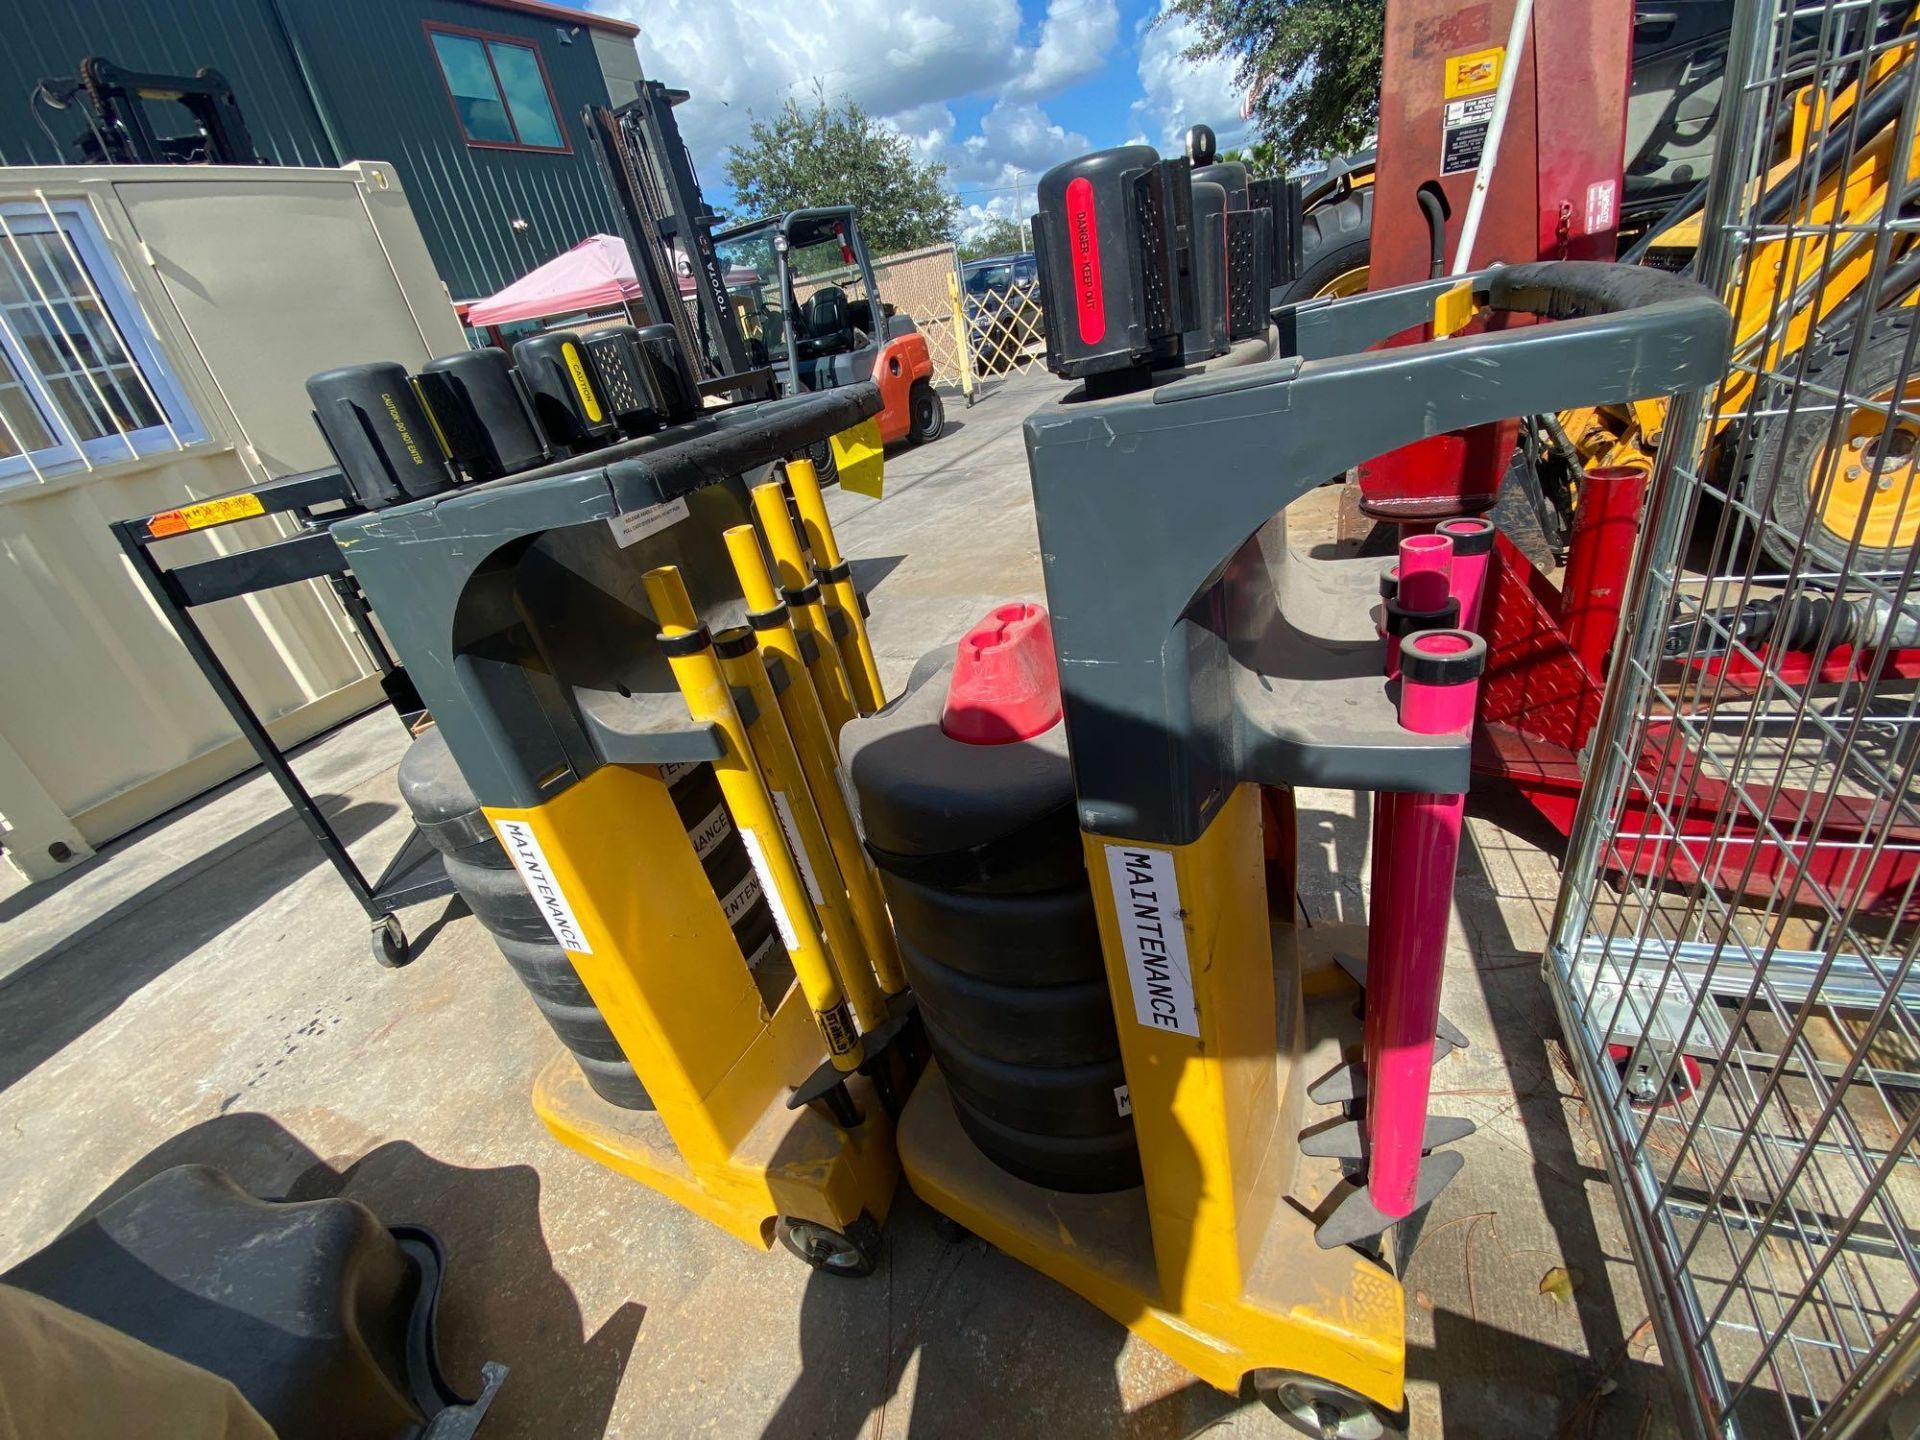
[
  {"x": 560, "y": 624},
  {"x": 807, "y": 724},
  {"x": 750, "y": 792},
  {"x": 836, "y": 578},
  {"x": 1200, "y": 657},
  {"x": 807, "y": 605},
  {"x": 1439, "y": 675}
]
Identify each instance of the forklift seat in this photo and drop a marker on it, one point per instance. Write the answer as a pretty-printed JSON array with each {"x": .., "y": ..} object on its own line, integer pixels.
[{"x": 829, "y": 321}]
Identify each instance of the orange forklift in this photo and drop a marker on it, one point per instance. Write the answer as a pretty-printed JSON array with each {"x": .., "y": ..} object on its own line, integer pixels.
[{"x": 825, "y": 325}]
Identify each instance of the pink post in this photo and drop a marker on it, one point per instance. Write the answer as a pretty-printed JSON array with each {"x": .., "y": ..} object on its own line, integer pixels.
[
  {"x": 1440, "y": 671},
  {"x": 1425, "y": 562},
  {"x": 1403, "y": 620},
  {"x": 1472, "y": 539}
]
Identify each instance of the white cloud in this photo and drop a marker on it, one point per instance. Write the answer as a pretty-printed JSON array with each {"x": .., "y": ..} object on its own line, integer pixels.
[
  {"x": 1075, "y": 38},
  {"x": 1178, "y": 93},
  {"x": 896, "y": 58}
]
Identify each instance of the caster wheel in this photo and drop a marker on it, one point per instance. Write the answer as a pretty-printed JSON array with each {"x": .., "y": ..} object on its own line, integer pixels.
[
  {"x": 389, "y": 943},
  {"x": 851, "y": 1255},
  {"x": 1325, "y": 1411},
  {"x": 951, "y": 1231},
  {"x": 1680, "y": 1085}
]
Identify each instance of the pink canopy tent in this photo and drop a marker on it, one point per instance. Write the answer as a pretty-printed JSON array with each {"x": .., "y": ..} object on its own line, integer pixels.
[{"x": 595, "y": 274}]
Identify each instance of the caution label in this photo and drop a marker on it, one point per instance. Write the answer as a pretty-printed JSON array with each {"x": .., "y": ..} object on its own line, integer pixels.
[
  {"x": 577, "y": 371},
  {"x": 223, "y": 511},
  {"x": 531, "y": 862},
  {"x": 634, "y": 525},
  {"x": 1146, "y": 898},
  {"x": 1473, "y": 73},
  {"x": 1464, "y": 134}
]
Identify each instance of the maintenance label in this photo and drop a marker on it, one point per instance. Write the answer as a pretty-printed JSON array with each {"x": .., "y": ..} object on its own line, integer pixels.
[
  {"x": 531, "y": 862},
  {"x": 1146, "y": 898},
  {"x": 1463, "y": 135},
  {"x": 636, "y": 525},
  {"x": 710, "y": 831},
  {"x": 1123, "y": 1100},
  {"x": 775, "y": 902},
  {"x": 737, "y": 901}
]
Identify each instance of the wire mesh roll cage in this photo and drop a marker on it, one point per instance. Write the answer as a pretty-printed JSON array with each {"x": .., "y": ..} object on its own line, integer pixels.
[{"x": 1733, "y": 952}]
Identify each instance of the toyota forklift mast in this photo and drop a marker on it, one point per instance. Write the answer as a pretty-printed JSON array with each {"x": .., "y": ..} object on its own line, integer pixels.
[{"x": 657, "y": 206}]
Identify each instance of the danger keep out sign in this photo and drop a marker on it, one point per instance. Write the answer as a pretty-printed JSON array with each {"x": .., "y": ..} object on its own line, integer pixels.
[{"x": 1147, "y": 900}]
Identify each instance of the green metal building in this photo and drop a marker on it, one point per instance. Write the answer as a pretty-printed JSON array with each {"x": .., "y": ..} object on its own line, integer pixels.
[{"x": 474, "y": 103}]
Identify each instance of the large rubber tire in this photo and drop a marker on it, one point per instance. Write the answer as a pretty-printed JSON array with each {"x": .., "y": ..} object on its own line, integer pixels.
[
  {"x": 824, "y": 465},
  {"x": 1786, "y": 465},
  {"x": 926, "y": 413},
  {"x": 435, "y": 792},
  {"x": 1335, "y": 238}
]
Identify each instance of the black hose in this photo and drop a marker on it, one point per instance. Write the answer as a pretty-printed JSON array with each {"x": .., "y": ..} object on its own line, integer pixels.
[{"x": 1434, "y": 206}]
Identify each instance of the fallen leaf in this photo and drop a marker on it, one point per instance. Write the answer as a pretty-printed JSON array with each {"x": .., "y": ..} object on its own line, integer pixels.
[
  {"x": 1423, "y": 1300},
  {"x": 1560, "y": 1282}
]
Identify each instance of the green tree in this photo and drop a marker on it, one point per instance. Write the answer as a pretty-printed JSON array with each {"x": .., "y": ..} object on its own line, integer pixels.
[
  {"x": 1261, "y": 158},
  {"x": 1311, "y": 66},
  {"x": 822, "y": 155},
  {"x": 999, "y": 237}
]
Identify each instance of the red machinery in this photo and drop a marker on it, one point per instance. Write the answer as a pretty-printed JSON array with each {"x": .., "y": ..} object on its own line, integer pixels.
[{"x": 1554, "y": 193}]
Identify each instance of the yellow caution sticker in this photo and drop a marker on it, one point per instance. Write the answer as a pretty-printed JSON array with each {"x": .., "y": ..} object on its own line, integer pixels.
[
  {"x": 1473, "y": 74},
  {"x": 576, "y": 367},
  {"x": 860, "y": 458},
  {"x": 207, "y": 513},
  {"x": 1453, "y": 310}
]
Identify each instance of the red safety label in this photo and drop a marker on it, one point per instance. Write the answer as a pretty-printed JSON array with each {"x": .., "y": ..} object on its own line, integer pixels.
[{"x": 1083, "y": 243}]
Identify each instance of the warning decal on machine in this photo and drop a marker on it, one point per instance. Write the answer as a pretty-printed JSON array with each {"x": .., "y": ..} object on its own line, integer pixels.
[
  {"x": 635, "y": 525},
  {"x": 531, "y": 862},
  {"x": 1146, "y": 898},
  {"x": 1464, "y": 133},
  {"x": 223, "y": 511}
]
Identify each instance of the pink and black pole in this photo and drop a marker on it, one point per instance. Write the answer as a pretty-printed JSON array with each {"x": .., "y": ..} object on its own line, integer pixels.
[
  {"x": 1472, "y": 539},
  {"x": 1415, "y": 858}
]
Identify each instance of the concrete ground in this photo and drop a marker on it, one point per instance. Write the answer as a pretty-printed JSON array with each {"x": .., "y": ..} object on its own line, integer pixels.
[{"x": 201, "y": 991}]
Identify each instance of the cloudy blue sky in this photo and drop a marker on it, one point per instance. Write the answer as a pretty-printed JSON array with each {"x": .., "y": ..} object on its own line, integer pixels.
[{"x": 998, "y": 90}]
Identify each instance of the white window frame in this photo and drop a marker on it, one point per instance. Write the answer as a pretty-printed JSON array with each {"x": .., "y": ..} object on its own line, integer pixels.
[{"x": 180, "y": 426}]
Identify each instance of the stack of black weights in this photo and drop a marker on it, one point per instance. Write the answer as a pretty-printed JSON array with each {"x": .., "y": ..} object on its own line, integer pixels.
[
  {"x": 449, "y": 817},
  {"x": 979, "y": 852}
]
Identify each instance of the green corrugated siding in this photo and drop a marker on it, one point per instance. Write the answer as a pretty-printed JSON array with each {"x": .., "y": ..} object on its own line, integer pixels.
[
  {"x": 381, "y": 87},
  {"x": 239, "y": 38},
  {"x": 379, "y": 93}
]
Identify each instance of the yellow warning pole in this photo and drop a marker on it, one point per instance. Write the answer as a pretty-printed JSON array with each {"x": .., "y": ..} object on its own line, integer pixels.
[
  {"x": 799, "y": 820},
  {"x": 807, "y": 726},
  {"x": 962, "y": 338},
  {"x": 696, "y": 669},
  {"x": 809, "y": 613},
  {"x": 836, "y": 578}
]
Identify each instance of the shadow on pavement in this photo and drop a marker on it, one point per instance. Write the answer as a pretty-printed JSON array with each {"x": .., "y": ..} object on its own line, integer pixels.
[{"x": 503, "y": 1299}]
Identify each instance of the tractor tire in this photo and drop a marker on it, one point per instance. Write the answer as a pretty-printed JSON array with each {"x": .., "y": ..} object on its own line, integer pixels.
[
  {"x": 926, "y": 413},
  {"x": 824, "y": 465},
  {"x": 1793, "y": 470},
  {"x": 1336, "y": 240}
]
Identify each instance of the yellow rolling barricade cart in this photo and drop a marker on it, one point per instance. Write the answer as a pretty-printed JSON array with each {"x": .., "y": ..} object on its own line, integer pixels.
[
  {"x": 1163, "y": 1103},
  {"x": 577, "y": 631}
]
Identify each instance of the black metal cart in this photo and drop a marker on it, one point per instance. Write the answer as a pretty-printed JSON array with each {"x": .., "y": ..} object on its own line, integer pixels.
[{"x": 314, "y": 499}]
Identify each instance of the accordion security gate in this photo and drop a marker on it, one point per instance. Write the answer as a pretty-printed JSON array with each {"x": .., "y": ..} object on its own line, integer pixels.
[{"x": 1733, "y": 953}]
